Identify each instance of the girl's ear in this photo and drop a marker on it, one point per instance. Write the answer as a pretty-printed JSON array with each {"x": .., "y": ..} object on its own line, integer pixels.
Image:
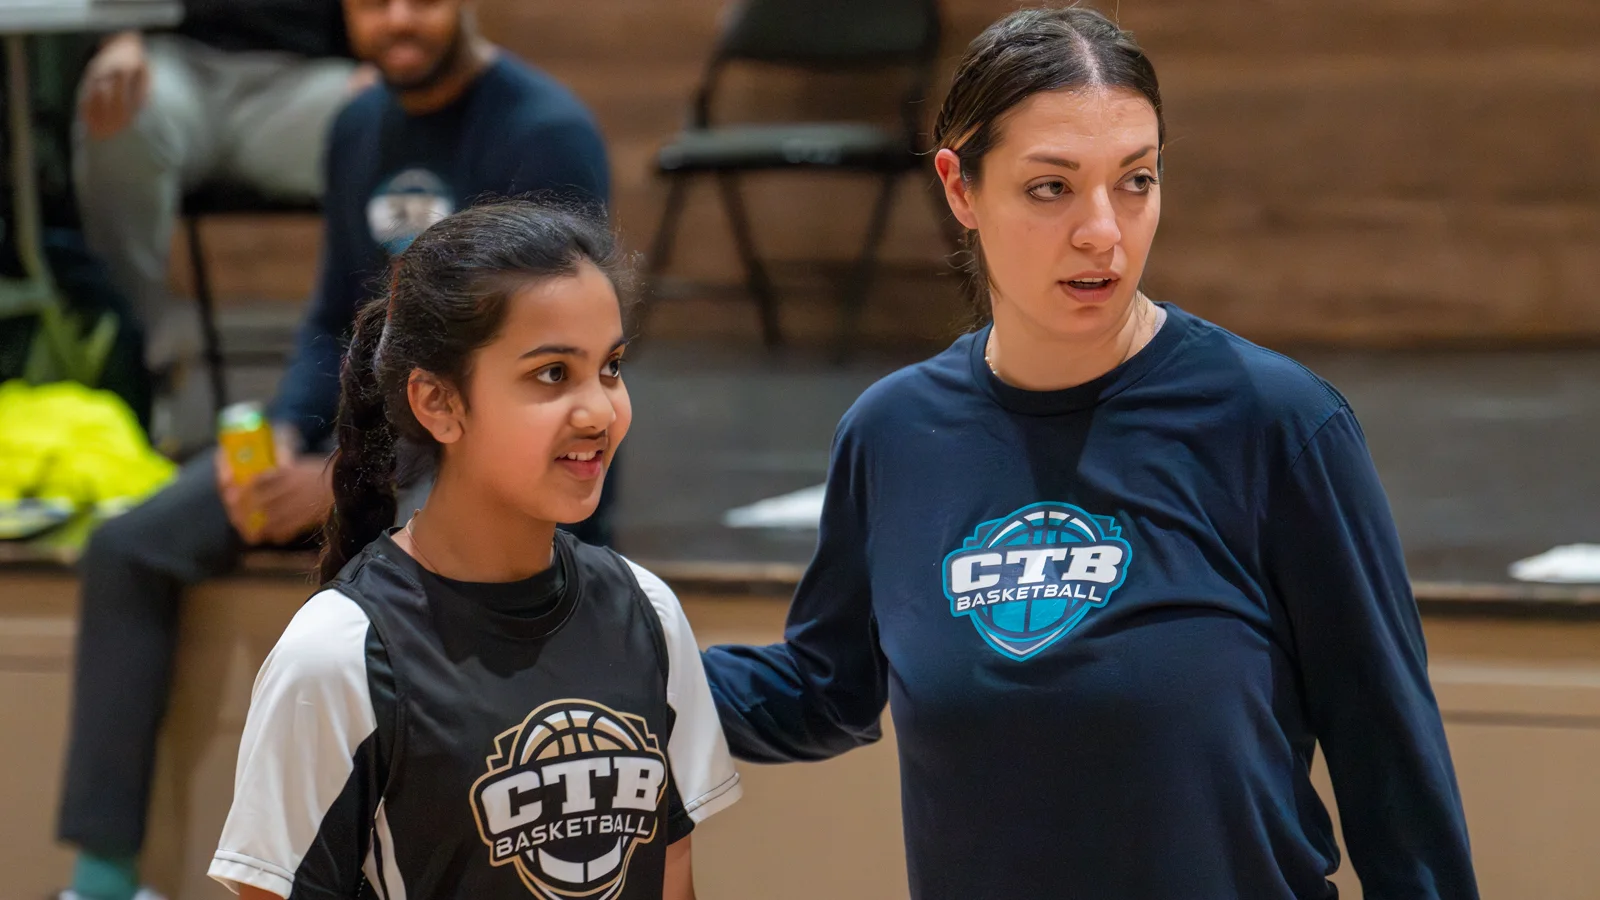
[{"x": 437, "y": 406}]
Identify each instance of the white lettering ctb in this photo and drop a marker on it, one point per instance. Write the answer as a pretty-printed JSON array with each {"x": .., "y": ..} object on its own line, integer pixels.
[
  {"x": 503, "y": 805},
  {"x": 1096, "y": 564},
  {"x": 963, "y": 577}
]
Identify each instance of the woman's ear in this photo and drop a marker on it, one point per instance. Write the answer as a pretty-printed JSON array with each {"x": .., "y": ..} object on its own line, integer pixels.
[
  {"x": 436, "y": 405},
  {"x": 957, "y": 190}
]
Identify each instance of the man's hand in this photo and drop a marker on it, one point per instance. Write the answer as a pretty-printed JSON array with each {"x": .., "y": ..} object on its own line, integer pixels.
[
  {"x": 115, "y": 86},
  {"x": 281, "y": 504}
]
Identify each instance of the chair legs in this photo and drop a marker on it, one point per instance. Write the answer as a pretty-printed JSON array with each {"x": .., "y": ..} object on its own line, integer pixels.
[
  {"x": 756, "y": 280},
  {"x": 661, "y": 247},
  {"x": 854, "y": 296},
  {"x": 852, "y": 299},
  {"x": 660, "y": 255},
  {"x": 208, "y": 317}
]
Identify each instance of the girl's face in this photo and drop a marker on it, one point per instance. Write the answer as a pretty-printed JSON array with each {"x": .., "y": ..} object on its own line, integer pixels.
[
  {"x": 1066, "y": 206},
  {"x": 546, "y": 406}
]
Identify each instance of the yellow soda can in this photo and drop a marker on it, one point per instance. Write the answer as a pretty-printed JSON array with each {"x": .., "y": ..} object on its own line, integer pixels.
[{"x": 246, "y": 439}]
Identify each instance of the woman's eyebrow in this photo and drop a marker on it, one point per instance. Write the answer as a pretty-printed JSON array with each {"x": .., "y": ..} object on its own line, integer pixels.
[
  {"x": 1133, "y": 156},
  {"x": 1049, "y": 160},
  {"x": 1065, "y": 163}
]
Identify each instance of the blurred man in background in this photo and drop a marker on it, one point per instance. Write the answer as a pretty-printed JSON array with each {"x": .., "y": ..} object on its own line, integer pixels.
[
  {"x": 241, "y": 92},
  {"x": 454, "y": 119}
]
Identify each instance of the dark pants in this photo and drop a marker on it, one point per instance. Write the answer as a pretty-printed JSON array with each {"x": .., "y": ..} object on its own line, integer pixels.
[{"x": 134, "y": 573}]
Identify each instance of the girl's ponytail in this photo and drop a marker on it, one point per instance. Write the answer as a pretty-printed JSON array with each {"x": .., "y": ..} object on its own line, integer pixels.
[{"x": 364, "y": 464}]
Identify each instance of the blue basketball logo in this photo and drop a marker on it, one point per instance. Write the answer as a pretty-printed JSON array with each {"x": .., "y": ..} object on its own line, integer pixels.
[{"x": 1027, "y": 579}]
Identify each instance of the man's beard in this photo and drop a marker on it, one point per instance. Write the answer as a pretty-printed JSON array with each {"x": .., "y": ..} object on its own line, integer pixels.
[{"x": 448, "y": 61}]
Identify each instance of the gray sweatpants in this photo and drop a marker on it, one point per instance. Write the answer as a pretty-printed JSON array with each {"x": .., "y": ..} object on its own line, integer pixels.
[{"x": 256, "y": 119}]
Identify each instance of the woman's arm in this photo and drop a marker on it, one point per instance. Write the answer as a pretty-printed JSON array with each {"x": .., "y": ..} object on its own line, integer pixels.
[
  {"x": 679, "y": 883},
  {"x": 821, "y": 691},
  {"x": 246, "y": 892},
  {"x": 1333, "y": 559}
]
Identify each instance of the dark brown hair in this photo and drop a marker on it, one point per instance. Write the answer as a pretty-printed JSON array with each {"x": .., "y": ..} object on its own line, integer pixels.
[
  {"x": 446, "y": 299},
  {"x": 1032, "y": 51}
]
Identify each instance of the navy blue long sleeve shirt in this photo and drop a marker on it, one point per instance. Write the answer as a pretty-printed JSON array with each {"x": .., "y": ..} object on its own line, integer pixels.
[
  {"x": 515, "y": 130},
  {"x": 1112, "y": 623}
]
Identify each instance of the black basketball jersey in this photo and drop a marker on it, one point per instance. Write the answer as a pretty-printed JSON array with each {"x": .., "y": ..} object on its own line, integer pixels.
[{"x": 410, "y": 744}]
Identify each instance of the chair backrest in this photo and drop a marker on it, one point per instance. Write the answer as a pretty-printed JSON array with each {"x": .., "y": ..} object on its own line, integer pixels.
[{"x": 832, "y": 33}]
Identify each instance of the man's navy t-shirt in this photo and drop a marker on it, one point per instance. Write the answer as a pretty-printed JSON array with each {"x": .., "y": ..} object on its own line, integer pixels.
[
  {"x": 391, "y": 174},
  {"x": 1112, "y": 623}
]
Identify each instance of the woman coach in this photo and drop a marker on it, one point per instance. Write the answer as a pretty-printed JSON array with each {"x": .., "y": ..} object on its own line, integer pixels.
[{"x": 1116, "y": 571}]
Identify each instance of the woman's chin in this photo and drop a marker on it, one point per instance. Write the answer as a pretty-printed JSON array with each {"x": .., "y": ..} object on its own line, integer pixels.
[{"x": 1067, "y": 318}]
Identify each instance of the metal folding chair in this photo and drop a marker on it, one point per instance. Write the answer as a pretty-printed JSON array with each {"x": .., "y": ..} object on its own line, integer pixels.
[
  {"x": 224, "y": 199},
  {"x": 815, "y": 35}
]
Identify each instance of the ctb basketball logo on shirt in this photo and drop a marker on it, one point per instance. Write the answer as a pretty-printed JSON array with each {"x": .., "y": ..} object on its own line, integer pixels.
[
  {"x": 1027, "y": 579},
  {"x": 569, "y": 794}
]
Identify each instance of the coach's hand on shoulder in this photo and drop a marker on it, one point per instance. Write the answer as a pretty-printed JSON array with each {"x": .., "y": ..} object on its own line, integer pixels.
[
  {"x": 115, "y": 86},
  {"x": 282, "y": 504}
]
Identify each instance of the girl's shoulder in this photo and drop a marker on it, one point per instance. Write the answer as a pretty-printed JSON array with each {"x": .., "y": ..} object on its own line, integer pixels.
[
  {"x": 616, "y": 574},
  {"x": 326, "y": 639},
  {"x": 682, "y": 650},
  {"x": 662, "y": 598}
]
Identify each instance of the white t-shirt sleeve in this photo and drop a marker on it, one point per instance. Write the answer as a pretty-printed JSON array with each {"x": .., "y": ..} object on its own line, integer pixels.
[
  {"x": 702, "y": 768},
  {"x": 300, "y": 796}
]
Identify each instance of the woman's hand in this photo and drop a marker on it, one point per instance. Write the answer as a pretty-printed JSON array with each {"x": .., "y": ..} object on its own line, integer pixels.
[{"x": 679, "y": 882}]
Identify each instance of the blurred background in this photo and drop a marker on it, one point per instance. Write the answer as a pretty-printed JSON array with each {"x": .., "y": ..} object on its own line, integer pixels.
[{"x": 1403, "y": 194}]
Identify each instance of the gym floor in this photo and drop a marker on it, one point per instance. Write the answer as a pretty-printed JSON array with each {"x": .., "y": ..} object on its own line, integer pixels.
[{"x": 1488, "y": 456}]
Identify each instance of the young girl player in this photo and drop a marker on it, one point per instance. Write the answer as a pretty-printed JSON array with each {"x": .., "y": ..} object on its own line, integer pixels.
[{"x": 476, "y": 704}]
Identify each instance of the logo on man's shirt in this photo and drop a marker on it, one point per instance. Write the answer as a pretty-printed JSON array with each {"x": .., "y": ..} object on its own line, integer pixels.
[
  {"x": 1027, "y": 579},
  {"x": 405, "y": 205},
  {"x": 569, "y": 794}
]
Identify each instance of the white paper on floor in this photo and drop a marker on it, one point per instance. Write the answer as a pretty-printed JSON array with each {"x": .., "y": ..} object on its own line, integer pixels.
[
  {"x": 801, "y": 509},
  {"x": 1567, "y": 564}
]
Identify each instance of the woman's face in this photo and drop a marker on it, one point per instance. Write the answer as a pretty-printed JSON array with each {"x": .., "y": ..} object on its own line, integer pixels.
[
  {"x": 1065, "y": 205},
  {"x": 546, "y": 406}
]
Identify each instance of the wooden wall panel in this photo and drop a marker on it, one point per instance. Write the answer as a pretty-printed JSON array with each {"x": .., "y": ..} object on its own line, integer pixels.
[
  {"x": 1373, "y": 171},
  {"x": 1520, "y": 700}
]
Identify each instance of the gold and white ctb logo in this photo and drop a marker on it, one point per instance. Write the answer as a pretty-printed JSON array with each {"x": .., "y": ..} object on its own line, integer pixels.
[{"x": 570, "y": 793}]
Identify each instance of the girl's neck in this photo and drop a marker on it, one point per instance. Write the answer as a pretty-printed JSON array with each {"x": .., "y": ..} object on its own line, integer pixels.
[
  {"x": 1023, "y": 356},
  {"x": 464, "y": 535}
]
